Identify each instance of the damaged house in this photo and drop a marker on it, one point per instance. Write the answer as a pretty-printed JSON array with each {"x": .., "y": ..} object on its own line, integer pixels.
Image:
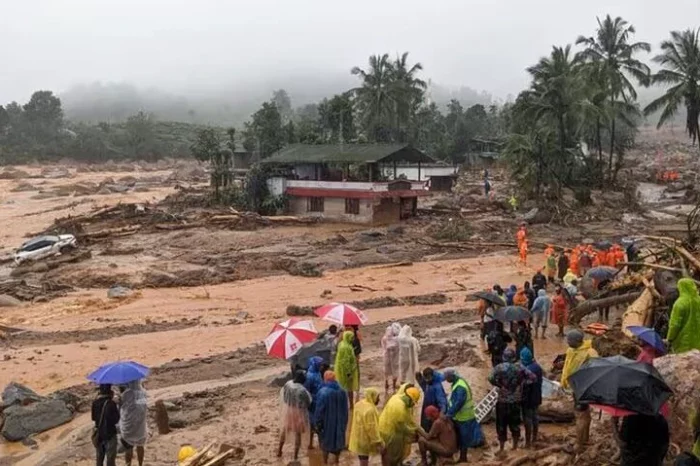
[{"x": 356, "y": 183}]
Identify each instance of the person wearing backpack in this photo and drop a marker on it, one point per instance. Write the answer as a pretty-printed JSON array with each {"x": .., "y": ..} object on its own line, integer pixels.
[{"x": 105, "y": 415}]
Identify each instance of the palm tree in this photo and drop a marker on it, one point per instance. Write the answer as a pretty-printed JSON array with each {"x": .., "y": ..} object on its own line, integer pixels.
[
  {"x": 374, "y": 96},
  {"x": 613, "y": 53},
  {"x": 407, "y": 92},
  {"x": 680, "y": 62},
  {"x": 555, "y": 95}
]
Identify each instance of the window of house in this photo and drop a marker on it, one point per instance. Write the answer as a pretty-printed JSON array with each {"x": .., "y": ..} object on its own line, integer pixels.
[
  {"x": 352, "y": 206},
  {"x": 315, "y": 204}
]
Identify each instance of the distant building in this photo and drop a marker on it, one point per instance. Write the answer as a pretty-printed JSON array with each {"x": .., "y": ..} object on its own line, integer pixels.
[
  {"x": 317, "y": 181},
  {"x": 482, "y": 153},
  {"x": 440, "y": 176}
]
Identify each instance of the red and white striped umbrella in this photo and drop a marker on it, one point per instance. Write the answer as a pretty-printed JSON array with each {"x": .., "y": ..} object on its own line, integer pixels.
[
  {"x": 342, "y": 314},
  {"x": 287, "y": 338}
]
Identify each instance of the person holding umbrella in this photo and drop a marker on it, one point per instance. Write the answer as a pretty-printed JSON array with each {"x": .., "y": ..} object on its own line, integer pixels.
[
  {"x": 578, "y": 352},
  {"x": 346, "y": 368},
  {"x": 133, "y": 417},
  {"x": 643, "y": 439},
  {"x": 105, "y": 415}
]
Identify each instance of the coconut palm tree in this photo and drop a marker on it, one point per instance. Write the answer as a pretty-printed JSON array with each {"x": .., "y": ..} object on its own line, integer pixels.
[
  {"x": 374, "y": 97},
  {"x": 614, "y": 54},
  {"x": 555, "y": 95},
  {"x": 680, "y": 62},
  {"x": 407, "y": 93}
]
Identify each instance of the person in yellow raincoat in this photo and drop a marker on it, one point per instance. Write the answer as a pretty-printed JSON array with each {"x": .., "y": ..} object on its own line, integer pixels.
[
  {"x": 398, "y": 427},
  {"x": 684, "y": 324},
  {"x": 364, "y": 433},
  {"x": 346, "y": 368},
  {"x": 578, "y": 352},
  {"x": 569, "y": 277}
]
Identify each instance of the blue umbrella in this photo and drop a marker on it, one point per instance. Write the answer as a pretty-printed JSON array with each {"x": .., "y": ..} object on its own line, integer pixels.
[
  {"x": 649, "y": 336},
  {"x": 119, "y": 372}
]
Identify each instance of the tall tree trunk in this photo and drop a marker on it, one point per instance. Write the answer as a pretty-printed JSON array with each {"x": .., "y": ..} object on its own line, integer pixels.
[
  {"x": 612, "y": 147},
  {"x": 599, "y": 143}
]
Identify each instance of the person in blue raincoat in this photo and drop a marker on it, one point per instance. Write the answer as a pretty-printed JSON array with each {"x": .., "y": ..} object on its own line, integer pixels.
[
  {"x": 331, "y": 417},
  {"x": 313, "y": 383},
  {"x": 430, "y": 382},
  {"x": 510, "y": 294},
  {"x": 460, "y": 408}
]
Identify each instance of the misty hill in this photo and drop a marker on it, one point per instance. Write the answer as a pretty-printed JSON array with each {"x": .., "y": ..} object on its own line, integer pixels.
[{"x": 115, "y": 102}]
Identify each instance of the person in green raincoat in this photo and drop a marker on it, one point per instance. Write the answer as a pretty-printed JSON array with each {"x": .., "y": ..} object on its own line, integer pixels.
[
  {"x": 346, "y": 368},
  {"x": 684, "y": 324}
]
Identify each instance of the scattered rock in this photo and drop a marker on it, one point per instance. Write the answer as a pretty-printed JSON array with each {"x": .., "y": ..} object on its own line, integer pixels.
[
  {"x": 396, "y": 229},
  {"x": 326, "y": 293},
  {"x": 304, "y": 269},
  {"x": 23, "y": 421},
  {"x": 280, "y": 380},
  {"x": 71, "y": 400},
  {"x": 55, "y": 172},
  {"x": 680, "y": 371},
  {"x": 9, "y": 301},
  {"x": 242, "y": 315},
  {"x": 386, "y": 249},
  {"x": 261, "y": 429},
  {"x": 18, "y": 394},
  {"x": 119, "y": 292},
  {"x": 170, "y": 406},
  {"x": 6, "y": 357},
  {"x": 631, "y": 218},
  {"x": 102, "y": 347},
  {"x": 10, "y": 173},
  {"x": 31, "y": 443}
]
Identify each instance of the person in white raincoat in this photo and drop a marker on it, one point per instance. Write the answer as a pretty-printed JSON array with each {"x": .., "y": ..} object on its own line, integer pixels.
[
  {"x": 390, "y": 346},
  {"x": 408, "y": 355},
  {"x": 133, "y": 411}
]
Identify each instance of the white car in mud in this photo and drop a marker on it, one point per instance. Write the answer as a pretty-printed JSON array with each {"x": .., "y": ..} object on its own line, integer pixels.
[{"x": 42, "y": 247}]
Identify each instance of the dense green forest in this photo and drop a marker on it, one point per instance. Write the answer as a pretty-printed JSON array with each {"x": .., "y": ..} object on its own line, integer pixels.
[{"x": 570, "y": 128}]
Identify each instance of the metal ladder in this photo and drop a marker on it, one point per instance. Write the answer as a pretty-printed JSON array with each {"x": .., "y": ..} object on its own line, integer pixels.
[{"x": 486, "y": 405}]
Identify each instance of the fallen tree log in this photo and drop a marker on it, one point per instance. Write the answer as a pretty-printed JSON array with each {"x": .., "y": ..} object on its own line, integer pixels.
[
  {"x": 591, "y": 305},
  {"x": 640, "y": 312},
  {"x": 538, "y": 455}
]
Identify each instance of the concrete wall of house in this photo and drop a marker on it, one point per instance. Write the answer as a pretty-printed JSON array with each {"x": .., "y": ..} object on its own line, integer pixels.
[
  {"x": 276, "y": 185},
  {"x": 333, "y": 209},
  {"x": 386, "y": 211}
]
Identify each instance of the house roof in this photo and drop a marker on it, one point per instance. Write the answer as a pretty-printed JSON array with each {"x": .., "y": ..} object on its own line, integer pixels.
[{"x": 348, "y": 153}]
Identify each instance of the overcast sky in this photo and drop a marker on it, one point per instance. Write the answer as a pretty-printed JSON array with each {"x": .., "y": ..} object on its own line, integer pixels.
[{"x": 191, "y": 46}]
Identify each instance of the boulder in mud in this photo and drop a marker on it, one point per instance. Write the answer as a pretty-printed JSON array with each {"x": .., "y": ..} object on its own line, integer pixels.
[
  {"x": 9, "y": 301},
  {"x": 11, "y": 173},
  {"x": 119, "y": 292},
  {"x": 18, "y": 394},
  {"x": 23, "y": 421},
  {"x": 55, "y": 172},
  {"x": 280, "y": 380},
  {"x": 680, "y": 371}
]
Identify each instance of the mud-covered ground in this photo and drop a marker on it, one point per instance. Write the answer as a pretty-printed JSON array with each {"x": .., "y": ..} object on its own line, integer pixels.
[{"x": 206, "y": 296}]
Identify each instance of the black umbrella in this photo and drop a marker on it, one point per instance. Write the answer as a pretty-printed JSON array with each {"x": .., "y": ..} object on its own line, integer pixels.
[
  {"x": 511, "y": 314},
  {"x": 603, "y": 245},
  {"x": 621, "y": 383},
  {"x": 490, "y": 297},
  {"x": 602, "y": 273}
]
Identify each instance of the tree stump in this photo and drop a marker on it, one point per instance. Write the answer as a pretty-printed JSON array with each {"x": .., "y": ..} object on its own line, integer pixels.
[{"x": 162, "y": 420}]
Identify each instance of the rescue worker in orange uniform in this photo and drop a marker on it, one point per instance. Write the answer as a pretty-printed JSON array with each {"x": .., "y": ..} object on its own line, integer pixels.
[
  {"x": 549, "y": 251},
  {"x": 523, "y": 252},
  {"x": 521, "y": 235},
  {"x": 602, "y": 257},
  {"x": 573, "y": 261}
]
